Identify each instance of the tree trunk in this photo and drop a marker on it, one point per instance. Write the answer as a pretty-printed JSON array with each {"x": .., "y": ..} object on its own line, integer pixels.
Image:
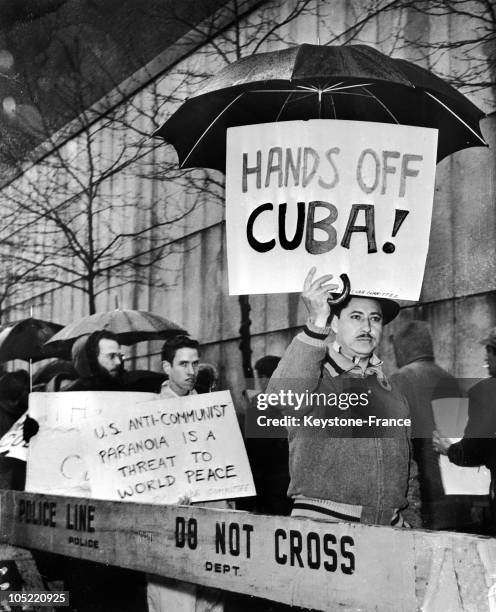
[{"x": 91, "y": 295}]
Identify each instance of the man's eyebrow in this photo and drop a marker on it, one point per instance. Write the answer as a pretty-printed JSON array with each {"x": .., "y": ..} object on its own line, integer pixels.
[{"x": 374, "y": 312}]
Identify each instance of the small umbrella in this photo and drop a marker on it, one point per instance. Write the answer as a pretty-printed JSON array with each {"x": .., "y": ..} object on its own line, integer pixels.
[
  {"x": 26, "y": 340},
  {"x": 353, "y": 82},
  {"x": 130, "y": 327}
]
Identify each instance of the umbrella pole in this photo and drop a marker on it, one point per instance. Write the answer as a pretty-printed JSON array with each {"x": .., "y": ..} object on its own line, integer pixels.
[
  {"x": 31, "y": 361},
  {"x": 245, "y": 336}
]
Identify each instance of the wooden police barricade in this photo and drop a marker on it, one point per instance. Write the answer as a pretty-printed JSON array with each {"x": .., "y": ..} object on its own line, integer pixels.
[{"x": 299, "y": 562}]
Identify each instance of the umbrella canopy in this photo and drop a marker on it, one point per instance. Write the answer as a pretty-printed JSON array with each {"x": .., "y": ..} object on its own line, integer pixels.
[
  {"x": 130, "y": 327},
  {"x": 26, "y": 340},
  {"x": 353, "y": 82}
]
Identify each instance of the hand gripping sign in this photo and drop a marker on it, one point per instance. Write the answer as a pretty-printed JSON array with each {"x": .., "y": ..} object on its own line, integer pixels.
[{"x": 346, "y": 196}]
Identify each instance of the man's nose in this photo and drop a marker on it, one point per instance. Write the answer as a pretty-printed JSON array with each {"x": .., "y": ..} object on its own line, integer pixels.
[
  {"x": 366, "y": 324},
  {"x": 190, "y": 369}
]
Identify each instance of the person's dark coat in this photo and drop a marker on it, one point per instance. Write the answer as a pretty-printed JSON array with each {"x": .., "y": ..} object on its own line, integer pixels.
[
  {"x": 421, "y": 381},
  {"x": 269, "y": 463},
  {"x": 92, "y": 377},
  {"x": 95, "y": 587},
  {"x": 478, "y": 445},
  {"x": 14, "y": 389},
  {"x": 53, "y": 375}
]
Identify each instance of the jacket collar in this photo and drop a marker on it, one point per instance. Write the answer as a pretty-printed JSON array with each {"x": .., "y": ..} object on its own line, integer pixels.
[
  {"x": 337, "y": 363},
  {"x": 167, "y": 393}
]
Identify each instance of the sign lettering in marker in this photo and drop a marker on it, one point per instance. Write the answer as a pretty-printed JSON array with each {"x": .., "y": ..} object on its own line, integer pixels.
[{"x": 346, "y": 196}]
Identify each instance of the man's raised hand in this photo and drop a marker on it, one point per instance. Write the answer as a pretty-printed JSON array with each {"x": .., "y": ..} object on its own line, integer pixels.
[{"x": 315, "y": 295}]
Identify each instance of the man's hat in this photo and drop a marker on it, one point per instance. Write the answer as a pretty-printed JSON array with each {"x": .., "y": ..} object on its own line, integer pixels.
[
  {"x": 490, "y": 340},
  {"x": 390, "y": 308}
]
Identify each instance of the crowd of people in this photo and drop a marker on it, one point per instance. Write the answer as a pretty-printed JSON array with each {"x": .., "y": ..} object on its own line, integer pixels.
[{"x": 383, "y": 471}]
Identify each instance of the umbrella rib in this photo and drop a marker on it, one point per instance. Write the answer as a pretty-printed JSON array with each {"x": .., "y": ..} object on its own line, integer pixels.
[
  {"x": 283, "y": 106},
  {"x": 333, "y": 107},
  {"x": 337, "y": 87},
  {"x": 382, "y": 104},
  {"x": 273, "y": 90},
  {"x": 302, "y": 96},
  {"x": 457, "y": 117},
  {"x": 311, "y": 88},
  {"x": 210, "y": 125},
  {"x": 349, "y": 93},
  {"x": 329, "y": 86}
]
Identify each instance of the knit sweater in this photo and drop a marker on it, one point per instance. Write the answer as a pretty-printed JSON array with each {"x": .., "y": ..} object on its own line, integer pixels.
[{"x": 365, "y": 466}]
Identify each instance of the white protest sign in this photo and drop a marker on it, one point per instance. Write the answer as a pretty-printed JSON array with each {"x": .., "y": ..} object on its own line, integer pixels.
[
  {"x": 450, "y": 417},
  {"x": 56, "y": 459},
  {"x": 12, "y": 443},
  {"x": 345, "y": 196},
  {"x": 158, "y": 451}
]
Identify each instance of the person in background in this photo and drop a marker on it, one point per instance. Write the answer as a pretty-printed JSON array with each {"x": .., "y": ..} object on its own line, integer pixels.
[
  {"x": 478, "y": 445},
  {"x": 207, "y": 378},
  {"x": 94, "y": 587},
  {"x": 14, "y": 391},
  {"x": 264, "y": 368},
  {"x": 54, "y": 376},
  {"x": 99, "y": 363},
  {"x": 421, "y": 381},
  {"x": 268, "y": 456}
]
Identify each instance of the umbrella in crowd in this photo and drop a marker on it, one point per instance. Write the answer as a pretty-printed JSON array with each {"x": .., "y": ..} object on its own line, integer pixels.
[
  {"x": 130, "y": 327},
  {"x": 353, "y": 82},
  {"x": 26, "y": 340}
]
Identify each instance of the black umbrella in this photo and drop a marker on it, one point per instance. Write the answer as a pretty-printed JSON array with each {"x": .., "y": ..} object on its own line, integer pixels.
[
  {"x": 26, "y": 340},
  {"x": 352, "y": 82},
  {"x": 130, "y": 327}
]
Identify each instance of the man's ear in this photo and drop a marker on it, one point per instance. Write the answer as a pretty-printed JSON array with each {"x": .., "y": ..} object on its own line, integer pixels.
[
  {"x": 334, "y": 323},
  {"x": 166, "y": 367}
]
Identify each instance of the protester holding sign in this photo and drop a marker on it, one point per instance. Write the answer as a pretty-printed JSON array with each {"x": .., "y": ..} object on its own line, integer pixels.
[
  {"x": 348, "y": 438},
  {"x": 98, "y": 360},
  {"x": 14, "y": 389},
  {"x": 478, "y": 445},
  {"x": 180, "y": 361},
  {"x": 423, "y": 382}
]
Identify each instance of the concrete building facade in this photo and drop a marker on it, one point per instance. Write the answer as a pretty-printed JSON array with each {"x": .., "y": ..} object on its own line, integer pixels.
[{"x": 172, "y": 223}]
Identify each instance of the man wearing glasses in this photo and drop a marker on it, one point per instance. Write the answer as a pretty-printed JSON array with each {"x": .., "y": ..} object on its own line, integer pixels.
[{"x": 99, "y": 362}]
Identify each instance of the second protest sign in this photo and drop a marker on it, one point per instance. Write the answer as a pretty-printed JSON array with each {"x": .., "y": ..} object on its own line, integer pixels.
[{"x": 136, "y": 447}]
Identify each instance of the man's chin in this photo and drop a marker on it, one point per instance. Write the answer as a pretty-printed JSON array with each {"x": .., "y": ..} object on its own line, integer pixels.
[{"x": 364, "y": 348}]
